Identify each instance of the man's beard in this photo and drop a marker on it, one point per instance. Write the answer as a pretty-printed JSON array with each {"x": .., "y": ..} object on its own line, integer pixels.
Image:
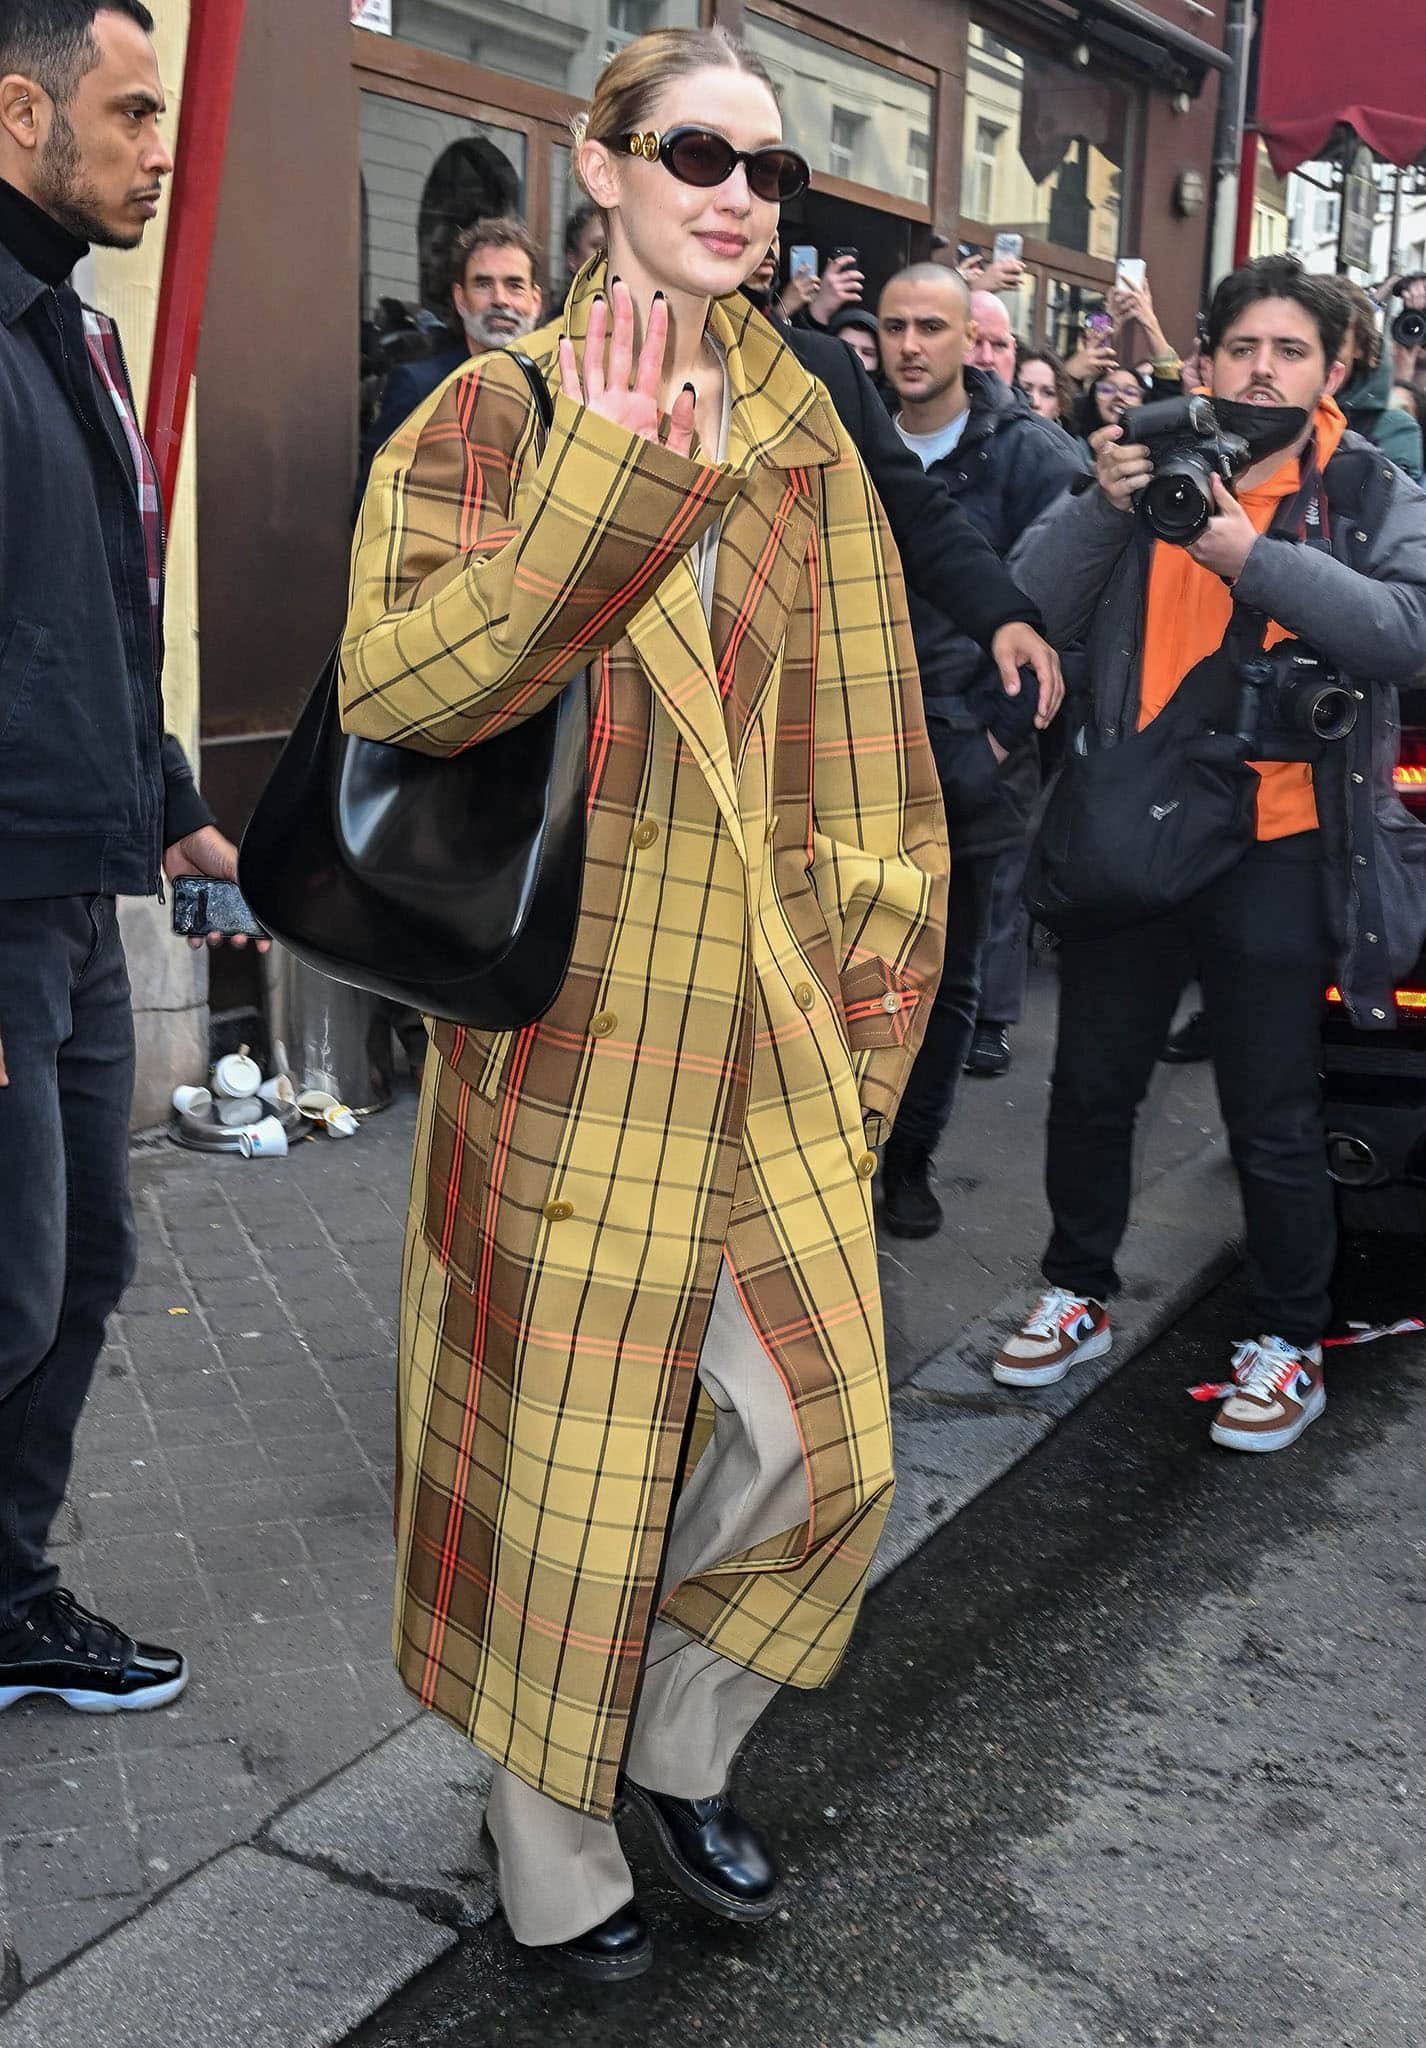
[
  {"x": 64, "y": 194},
  {"x": 492, "y": 330}
]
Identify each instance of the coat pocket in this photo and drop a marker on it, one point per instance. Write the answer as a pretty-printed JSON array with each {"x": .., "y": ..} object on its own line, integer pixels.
[
  {"x": 465, "y": 1116},
  {"x": 20, "y": 642}
]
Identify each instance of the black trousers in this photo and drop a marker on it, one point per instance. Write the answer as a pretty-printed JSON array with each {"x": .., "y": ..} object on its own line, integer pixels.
[
  {"x": 1258, "y": 942},
  {"x": 67, "y": 1250},
  {"x": 931, "y": 1092}
]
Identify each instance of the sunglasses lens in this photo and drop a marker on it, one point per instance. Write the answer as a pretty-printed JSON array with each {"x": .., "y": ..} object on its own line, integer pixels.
[
  {"x": 777, "y": 174},
  {"x": 702, "y": 159}
]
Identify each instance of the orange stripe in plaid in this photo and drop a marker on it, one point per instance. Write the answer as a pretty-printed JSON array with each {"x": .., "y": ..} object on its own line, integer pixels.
[
  {"x": 752, "y": 597},
  {"x": 600, "y": 737},
  {"x": 448, "y": 1223},
  {"x": 440, "y": 1605}
]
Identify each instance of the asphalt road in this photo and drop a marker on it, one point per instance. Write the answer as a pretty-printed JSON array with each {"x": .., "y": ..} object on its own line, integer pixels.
[{"x": 1134, "y": 1752}]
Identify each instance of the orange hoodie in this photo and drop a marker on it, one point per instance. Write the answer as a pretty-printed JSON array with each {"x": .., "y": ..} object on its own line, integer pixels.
[{"x": 1188, "y": 613}]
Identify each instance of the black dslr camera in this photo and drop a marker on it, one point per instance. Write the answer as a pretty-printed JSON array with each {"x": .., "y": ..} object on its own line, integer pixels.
[
  {"x": 1409, "y": 327},
  {"x": 1189, "y": 450},
  {"x": 1290, "y": 703}
]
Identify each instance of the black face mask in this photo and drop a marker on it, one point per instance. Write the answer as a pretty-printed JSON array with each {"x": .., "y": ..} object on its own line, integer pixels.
[{"x": 1265, "y": 428}]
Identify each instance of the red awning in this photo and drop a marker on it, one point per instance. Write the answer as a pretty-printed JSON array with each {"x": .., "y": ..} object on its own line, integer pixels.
[{"x": 1319, "y": 64}]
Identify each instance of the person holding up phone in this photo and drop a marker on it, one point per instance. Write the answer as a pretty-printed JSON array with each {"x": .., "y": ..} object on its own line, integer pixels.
[{"x": 842, "y": 283}]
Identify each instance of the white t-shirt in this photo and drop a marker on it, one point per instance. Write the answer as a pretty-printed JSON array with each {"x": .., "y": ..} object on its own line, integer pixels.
[{"x": 932, "y": 447}]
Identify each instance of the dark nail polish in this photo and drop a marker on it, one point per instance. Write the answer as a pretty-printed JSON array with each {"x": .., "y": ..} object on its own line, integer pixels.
[
  {"x": 658, "y": 295},
  {"x": 692, "y": 388},
  {"x": 615, "y": 280}
]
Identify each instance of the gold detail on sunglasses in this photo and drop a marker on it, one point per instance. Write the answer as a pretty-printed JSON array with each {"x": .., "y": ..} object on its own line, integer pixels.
[{"x": 645, "y": 145}]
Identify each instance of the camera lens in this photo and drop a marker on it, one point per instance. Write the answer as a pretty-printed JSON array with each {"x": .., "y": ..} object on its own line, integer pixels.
[
  {"x": 1408, "y": 329},
  {"x": 1177, "y": 504},
  {"x": 1328, "y": 713}
]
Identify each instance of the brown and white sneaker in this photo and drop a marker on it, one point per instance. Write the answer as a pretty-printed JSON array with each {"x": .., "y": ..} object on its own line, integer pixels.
[
  {"x": 1277, "y": 1390},
  {"x": 1060, "y": 1330}
]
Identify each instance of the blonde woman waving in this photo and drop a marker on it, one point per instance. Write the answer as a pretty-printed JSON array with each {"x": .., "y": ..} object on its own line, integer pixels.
[{"x": 656, "y": 1197}]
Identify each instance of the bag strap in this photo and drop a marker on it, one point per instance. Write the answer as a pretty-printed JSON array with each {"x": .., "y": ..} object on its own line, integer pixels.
[{"x": 539, "y": 392}]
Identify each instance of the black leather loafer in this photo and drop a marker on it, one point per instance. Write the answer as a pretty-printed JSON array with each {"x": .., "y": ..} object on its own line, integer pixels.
[
  {"x": 714, "y": 1856},
  {"x": 615, "y": 1951}
]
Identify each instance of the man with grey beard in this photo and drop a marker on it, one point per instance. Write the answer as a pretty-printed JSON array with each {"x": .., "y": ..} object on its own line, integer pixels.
[{"x": 497, "y": 299}]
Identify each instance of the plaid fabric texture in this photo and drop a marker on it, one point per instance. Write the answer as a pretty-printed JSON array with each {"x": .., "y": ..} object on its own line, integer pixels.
[
  {"x": 759, "y": 940},
  {"x": 108, "y": 360}
]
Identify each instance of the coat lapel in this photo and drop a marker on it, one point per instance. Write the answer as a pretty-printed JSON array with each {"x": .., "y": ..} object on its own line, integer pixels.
[{"x": 670, "y": 637}]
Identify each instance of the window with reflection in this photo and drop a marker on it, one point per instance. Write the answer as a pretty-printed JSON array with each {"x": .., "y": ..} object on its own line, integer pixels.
[
  {"x": 425, "y": 175},
  {"x": 850, "y": 118},
  {"x": 1046, "y": 146},
  {"x": 559, "y": 43}
]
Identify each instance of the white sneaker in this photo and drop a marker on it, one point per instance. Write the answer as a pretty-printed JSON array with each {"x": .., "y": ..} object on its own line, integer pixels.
[
  {"x": 1060, "y": 1330},
  {"x": 1278, "y": 1389}
]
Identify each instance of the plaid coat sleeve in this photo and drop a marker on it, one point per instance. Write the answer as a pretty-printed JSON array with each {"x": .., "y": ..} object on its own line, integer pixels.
[
  {"x": 482, "y": 580},
  {"x": 879, "y": 851}
]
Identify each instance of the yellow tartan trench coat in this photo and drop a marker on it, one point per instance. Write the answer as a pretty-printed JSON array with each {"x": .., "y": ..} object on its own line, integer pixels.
[{"x": 759, "y": 939}]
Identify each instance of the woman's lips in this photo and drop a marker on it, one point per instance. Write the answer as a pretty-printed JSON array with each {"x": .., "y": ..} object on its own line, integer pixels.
[{"x": 724, "y": 245}]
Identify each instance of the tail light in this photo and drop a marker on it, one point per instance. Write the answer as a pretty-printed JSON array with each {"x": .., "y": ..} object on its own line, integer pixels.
[
  {"x": 1409, "y": 778},
  {"x": 1413, "y": 999}
]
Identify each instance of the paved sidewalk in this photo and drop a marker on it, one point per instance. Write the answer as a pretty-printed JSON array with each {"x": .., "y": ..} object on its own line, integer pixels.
[{"x": 232, "y": 1495}]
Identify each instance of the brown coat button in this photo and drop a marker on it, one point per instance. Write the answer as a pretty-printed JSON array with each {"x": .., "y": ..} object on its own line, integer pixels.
[
  {"x": 890, "y": 1003},
  {"x": 558, "y": 1212},
  {"x": 804, "y": 995},
  {"x": 646, "y": 833},
  {"x": 603, "y": 1024},
  {"x": 866, "y": 1165}
]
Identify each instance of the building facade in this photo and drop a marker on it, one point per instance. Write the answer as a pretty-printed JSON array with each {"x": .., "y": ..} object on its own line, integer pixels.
[{"x": 365, "y": 133}]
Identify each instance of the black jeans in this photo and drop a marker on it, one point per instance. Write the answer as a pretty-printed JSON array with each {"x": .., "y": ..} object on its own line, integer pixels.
[
  {"x": 1258, "y": 942},
  {"x": 1005, "y": 961},
  {"x": 931, "y": 1092},
  {"x": 68, "y": 1247}
]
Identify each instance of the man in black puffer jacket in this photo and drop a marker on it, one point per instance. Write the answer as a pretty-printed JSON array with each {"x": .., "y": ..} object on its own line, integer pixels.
[
  {"x": 1004, "y": 466},
  {"x": 95, "y": 800}
]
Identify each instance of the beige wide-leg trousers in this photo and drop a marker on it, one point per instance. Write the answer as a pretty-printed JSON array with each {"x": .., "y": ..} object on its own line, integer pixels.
[{"x": 562, "y": 1872}]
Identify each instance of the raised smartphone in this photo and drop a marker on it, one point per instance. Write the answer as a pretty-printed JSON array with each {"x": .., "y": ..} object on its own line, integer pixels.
[
  {"x": 1008, "y": 246},
  {"x": 1132, "y": 271},
  {"x": 802, "y": 258}
]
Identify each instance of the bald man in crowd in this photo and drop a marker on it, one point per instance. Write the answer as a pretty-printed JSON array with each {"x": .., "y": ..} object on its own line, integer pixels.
[{"x": 1004, "y": 465}]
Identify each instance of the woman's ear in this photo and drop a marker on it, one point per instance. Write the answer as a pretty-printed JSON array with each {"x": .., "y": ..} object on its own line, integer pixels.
[{"x": 598, "y": 173}]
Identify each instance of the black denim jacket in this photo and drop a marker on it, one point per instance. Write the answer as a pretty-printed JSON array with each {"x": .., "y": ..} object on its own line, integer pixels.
[{"x": 91, "y": 787}]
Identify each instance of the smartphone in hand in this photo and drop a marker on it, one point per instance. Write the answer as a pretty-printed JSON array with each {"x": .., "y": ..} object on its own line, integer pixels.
[
  {"x": 1009, "y": 248},
  {"x": 1132, "y": 271},
  {"x": 803, "y": 260},
  {"x": 202, "y": 905}
]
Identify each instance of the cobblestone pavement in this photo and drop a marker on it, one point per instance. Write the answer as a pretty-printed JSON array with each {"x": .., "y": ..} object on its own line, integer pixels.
[{"x": 232, "y": 1489}]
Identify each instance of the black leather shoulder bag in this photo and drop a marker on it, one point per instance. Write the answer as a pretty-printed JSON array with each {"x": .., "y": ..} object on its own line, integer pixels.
[{"x": 450, "y": 884}]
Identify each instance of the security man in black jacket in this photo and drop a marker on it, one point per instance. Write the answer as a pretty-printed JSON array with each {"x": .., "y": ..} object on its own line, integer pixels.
[
  {"x": 95, "y": 800},
  {"x": 1003, "y": 466}
]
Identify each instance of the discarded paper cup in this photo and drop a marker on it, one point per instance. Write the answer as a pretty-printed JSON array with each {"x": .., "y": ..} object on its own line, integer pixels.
[
  {"x": 267, "y": 1140},
  {"x": 237, "y": 1076},
  {"x": 235, "y": 1114},
  {"x": 314, "y": 1104},
  {"x": 193, "y": 1101},
  {"x": 278, "y": 1092},
  {"x": 341, "y": 1122}
]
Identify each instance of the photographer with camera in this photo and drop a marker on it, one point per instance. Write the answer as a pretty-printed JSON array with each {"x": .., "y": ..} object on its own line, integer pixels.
[
  {"x": 1366, "y": 393},
  {"x": 1226, "y": 810},
  {"x": 1408, "y": 327}
]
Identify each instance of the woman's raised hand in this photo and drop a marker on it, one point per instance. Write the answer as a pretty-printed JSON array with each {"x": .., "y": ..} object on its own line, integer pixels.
[{"x": 619, "y": 390}]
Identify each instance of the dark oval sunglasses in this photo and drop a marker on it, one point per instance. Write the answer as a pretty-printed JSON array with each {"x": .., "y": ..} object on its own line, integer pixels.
[{"x": 697, "y": 156}]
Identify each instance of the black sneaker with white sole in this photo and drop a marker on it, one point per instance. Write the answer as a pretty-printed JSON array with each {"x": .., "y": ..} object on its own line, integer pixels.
[{"x": 63, "y": 1652}]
